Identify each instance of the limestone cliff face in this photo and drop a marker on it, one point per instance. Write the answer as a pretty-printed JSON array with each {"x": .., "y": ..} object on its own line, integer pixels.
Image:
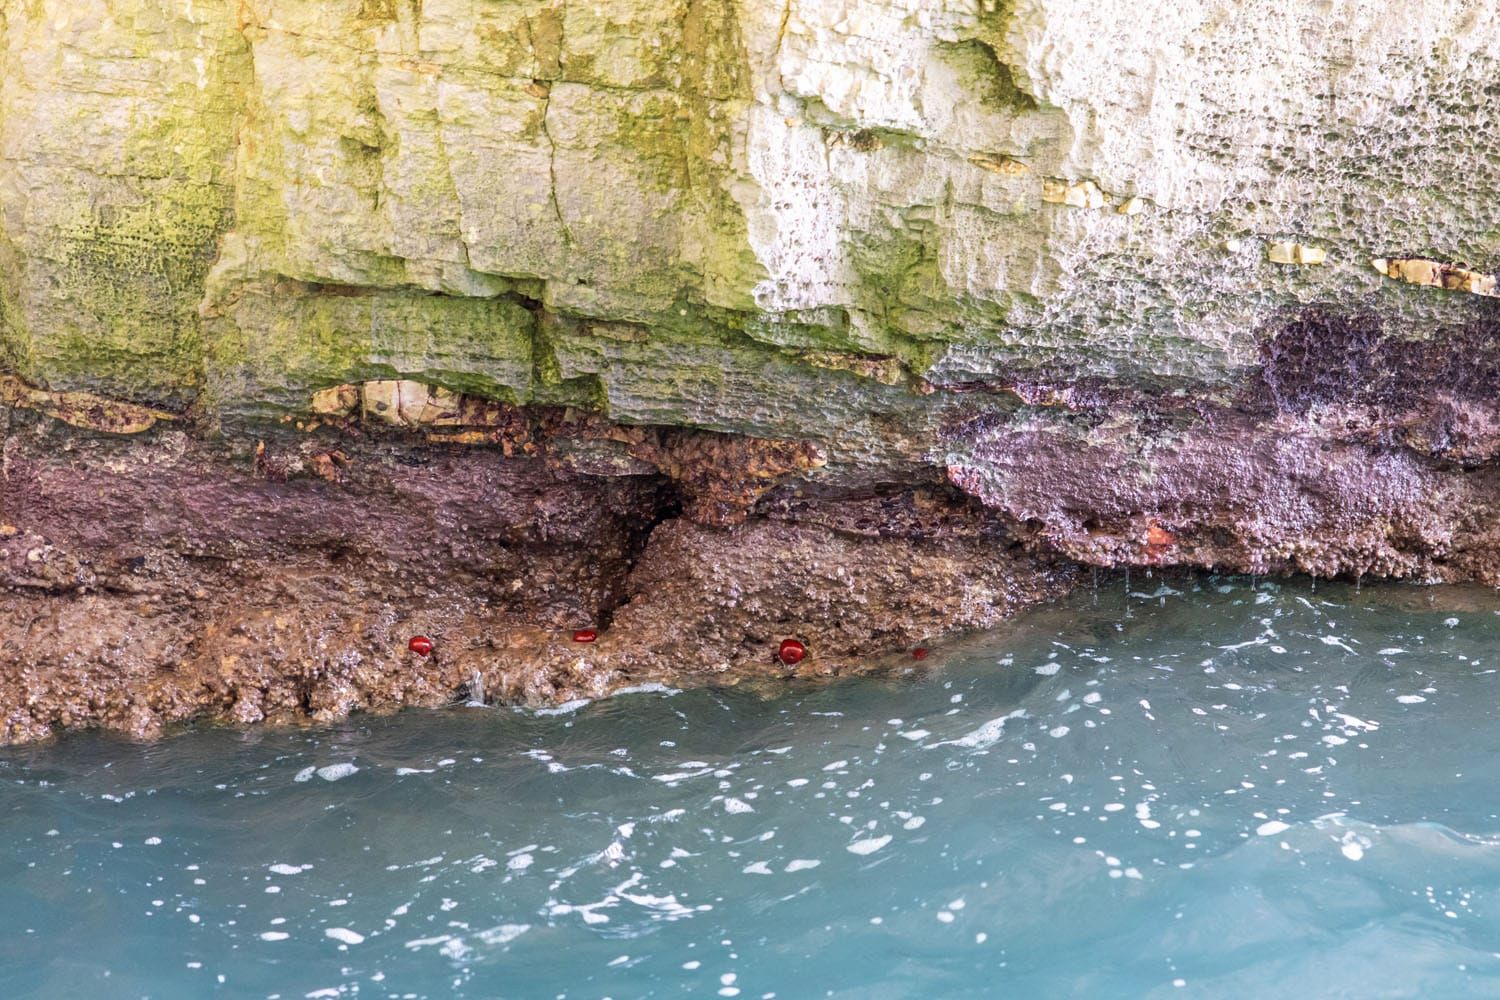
[{"x": 720, "y": 213}]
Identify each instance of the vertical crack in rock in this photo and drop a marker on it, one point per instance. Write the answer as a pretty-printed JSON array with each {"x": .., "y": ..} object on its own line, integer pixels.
[
  {"x": 567, "y": 235},
  {"x": 786, "y": 17}
]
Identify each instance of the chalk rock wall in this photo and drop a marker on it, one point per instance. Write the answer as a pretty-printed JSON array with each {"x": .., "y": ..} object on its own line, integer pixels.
[{"x": 741, "y": 215}]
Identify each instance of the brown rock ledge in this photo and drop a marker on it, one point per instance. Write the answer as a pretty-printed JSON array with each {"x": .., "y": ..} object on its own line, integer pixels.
[{"x": 162, "y": 578}]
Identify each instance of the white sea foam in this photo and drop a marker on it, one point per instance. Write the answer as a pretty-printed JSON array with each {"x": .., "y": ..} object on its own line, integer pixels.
[
  {"x": 985, "y": 736},
  {"x": 869, "y": 845}
]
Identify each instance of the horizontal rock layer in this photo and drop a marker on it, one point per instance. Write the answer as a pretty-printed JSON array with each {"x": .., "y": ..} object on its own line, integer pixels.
[
  {"x": 158, "y": 579},
  {"x": 747, "y": 216}
]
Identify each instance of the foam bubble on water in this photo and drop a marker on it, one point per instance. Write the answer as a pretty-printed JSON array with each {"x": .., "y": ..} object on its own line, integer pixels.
[
  {"x": 334, "y": 772},
  {"x": 650, "y": 687},
  {"x": 869, "y": 845},
  {"x": 520, "y": 862},
  {"x": 801, "y": 864},
  {"x": 1271, "y": 828},
  {"x": 566, "y": 708},
  {"x": 1048, "y": 669},
  {"x": 914, "y": 823},
  {"x": 274, "y": 935},
  {"x": 985, "y": 736},
  {"x": 1058, "y": 732},
  {"x": 503, "y": 934},
  {"x": 1410, "y": 699},
  {"x": 588, "y": 911},
  {"x": 306, "y": 774},
  {"x": 681, "y": 775},
  {"x": 758, "y": 868},
  {"x": 733, "y": 805},
  {"x": 344, "y": 935},
  {"x": 428, "y": 942},
  {"x": 916, "y": 734}
]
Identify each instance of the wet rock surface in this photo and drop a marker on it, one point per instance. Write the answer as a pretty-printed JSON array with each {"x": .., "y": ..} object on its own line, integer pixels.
[
  {"x": 154, "y": 579},
  {"x": 172, "y": 573}
]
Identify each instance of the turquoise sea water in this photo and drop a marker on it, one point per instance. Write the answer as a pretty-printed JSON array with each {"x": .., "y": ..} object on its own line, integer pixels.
[{"x": 1217, "y": 790}]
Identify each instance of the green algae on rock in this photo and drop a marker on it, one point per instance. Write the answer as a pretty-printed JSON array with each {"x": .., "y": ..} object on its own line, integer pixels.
[{"x": 756, "y": 167}]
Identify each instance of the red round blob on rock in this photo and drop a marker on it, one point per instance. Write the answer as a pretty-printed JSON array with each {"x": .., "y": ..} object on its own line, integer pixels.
[
  {"x": 420, "y": 644},
  {"x": 585, "y": 635},
  {"x": 791, "y": 652},
  {"x": 920, "y": 653}
]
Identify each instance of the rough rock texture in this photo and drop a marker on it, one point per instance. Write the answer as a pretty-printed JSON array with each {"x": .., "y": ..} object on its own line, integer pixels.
[
  {"x": 161, "y": 579},
  {"x": 753, "y": 216},
  {"x": 1035, "y": 282}
]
